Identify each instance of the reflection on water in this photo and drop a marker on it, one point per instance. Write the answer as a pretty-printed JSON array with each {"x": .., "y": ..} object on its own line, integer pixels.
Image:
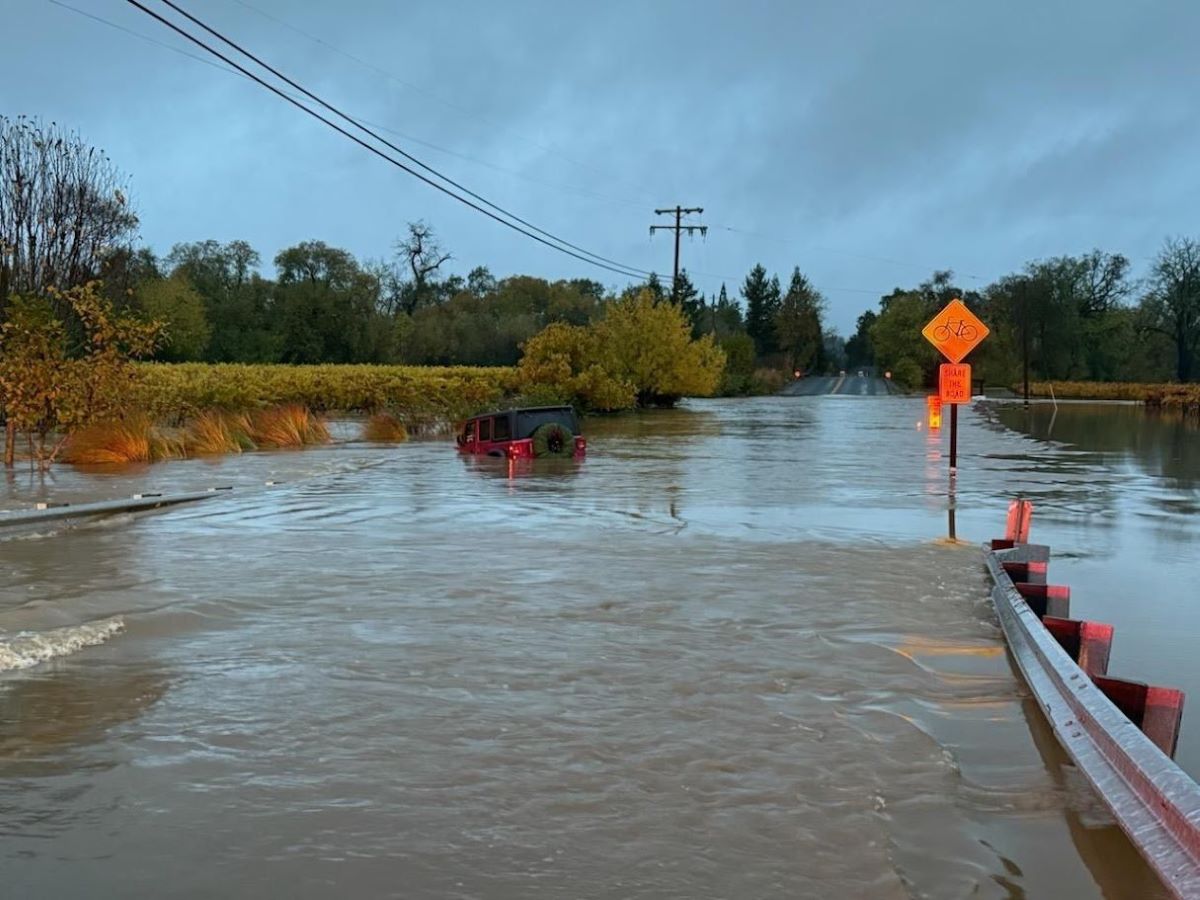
[
  {"x": 1159, "y": 443},
  {"x": 720, "y": 657},
  {"x": 51, "y": 720},
  {"x": 1117, "y": 492}
]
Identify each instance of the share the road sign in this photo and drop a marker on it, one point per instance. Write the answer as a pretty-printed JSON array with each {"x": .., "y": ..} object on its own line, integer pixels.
[
  {"x": 955, "y": 331},
  {"x": 954, "y": 383}
]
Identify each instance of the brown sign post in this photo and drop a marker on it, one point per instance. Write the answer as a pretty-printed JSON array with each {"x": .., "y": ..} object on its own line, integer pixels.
[{"x": 955, "y": 331}]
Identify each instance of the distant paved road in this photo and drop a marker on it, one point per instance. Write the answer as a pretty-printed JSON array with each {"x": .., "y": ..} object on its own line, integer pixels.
[{"x": 851, "y": 385}]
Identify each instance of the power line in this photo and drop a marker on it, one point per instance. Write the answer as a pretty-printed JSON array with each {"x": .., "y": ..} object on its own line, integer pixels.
[
  {"x": 566, "y": 188},
  {"x": 424, "y": 92},
  {"x": 307, "y": 93},
  {"x": 144, "y": 37},
  {"x": 619, "y": 268}
]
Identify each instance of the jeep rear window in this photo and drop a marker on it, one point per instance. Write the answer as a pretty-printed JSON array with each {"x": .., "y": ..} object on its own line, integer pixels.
[{"x": 528, "y": 422}]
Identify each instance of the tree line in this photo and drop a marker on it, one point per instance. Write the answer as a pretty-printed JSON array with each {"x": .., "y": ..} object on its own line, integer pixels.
[
  {"x": 1068, "y": 318},
  {"x": 65, "y": 220}
]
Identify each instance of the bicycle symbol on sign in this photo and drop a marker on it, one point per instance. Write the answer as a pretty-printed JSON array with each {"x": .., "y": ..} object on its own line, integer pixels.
[{"x": 959, "y": 328}]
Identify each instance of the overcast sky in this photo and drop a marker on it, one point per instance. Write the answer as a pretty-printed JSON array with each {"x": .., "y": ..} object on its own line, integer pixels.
[{"x": 867, "y": 142}]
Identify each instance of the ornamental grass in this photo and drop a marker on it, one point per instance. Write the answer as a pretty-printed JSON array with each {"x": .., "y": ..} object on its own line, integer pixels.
[
  {"x": 384, "y": 428},
  {"x": 287, "y": 426},
  {"x": 132, "y": 440}
]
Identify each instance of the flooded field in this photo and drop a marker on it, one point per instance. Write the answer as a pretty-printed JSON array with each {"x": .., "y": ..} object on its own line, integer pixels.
[{"x": 725, "y": 656}]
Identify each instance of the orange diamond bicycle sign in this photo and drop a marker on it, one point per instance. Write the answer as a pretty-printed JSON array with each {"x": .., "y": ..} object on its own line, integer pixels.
[{"x": 955, "y": 331}]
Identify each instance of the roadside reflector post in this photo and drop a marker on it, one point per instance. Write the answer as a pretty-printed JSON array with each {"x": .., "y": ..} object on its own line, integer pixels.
[
  {"x": 955, "y": 331},
  {"x": 1020, "y": 513},
  {"x": 934, "y": 404}
]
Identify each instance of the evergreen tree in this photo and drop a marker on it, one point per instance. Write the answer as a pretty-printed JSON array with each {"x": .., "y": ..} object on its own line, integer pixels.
[
  {"x": 798, "y": 324},
  {"x": 762, "y": 298},
  {"x": 684, "y": 293},
  {"x": 859, "y": 349}
]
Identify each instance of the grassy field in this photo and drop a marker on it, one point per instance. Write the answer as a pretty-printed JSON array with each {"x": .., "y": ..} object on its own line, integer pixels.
[{"x": 1161, "y": 396}]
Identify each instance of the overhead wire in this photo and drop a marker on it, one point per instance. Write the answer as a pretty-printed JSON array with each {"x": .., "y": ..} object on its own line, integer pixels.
[
  {"x": 140, "y": 36},
  {"x": 582, "y": 255},
  {"x": 425, "y": 92},
  {"x": 350, "y": 120},
  {"x": 347, "y": 118},
  {"x": 360, "y": 122},
  {"x": 566, "y": 188}
]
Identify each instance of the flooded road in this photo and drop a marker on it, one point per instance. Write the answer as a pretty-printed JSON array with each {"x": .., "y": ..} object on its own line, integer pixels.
[{"x": 725, "y": 656}]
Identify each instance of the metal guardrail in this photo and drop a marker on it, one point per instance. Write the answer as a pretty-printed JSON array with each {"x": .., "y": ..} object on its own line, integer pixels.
[
  {"x": 55, "y": 512},
  {"x": 1155, "y": 802}
]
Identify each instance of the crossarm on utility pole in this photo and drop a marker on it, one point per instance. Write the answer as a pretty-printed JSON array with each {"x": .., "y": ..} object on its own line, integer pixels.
[{"x": 679, "y": 212}]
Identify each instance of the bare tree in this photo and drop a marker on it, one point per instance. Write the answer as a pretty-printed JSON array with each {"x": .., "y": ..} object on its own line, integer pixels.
[
  {"x": 1103, "y": 283},
  {"x": 63, "y": 209},
  {"x": 423, "y": 256},
  {"x": 1172, "y": 308}
]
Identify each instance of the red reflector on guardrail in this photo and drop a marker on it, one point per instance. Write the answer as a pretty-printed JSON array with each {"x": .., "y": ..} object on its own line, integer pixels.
[{"x": 1157, "y": 711}]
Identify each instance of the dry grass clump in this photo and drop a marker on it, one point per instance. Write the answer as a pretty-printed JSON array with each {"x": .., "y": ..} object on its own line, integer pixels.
[
  {"x": 1089, "y": 390},
  {"x": 1184, "y": 397},
  {"x": 384, "y": 428},
  {"x": 136, "y": 439},
  {"x": 216, "y": 431},
  {"x": 133, "y": 440},
  {"x": 287, "y": 426}
]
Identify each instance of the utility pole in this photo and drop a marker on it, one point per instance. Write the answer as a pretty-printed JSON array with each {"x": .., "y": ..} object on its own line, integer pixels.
[{"x": 679, "y": 212}]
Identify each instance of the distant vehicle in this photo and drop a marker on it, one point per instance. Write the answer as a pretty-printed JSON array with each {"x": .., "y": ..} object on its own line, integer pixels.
[
  {"x": 887, "y": 375},
  {"x": 861, "y": 374},
  {"x": 841, "y": 371},
  {"x": 798, "y": 374},
  {"x": 530, "y": 433}
]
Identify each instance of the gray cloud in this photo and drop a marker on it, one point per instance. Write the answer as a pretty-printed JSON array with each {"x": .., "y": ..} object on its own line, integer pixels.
[{"x": 866, "y": 142}]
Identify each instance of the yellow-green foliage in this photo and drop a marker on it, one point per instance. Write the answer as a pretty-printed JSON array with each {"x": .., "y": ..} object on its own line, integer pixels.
[
  {"x": 641, "y": 353},
  {"x": 569, "y": 363},
  {"x": 47, "y": 391},
  {"x": 185, "y": 390},
  {"x": 384, "y": 428}
]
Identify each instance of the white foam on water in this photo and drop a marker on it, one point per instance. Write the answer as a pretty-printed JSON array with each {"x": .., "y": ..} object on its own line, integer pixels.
[{"x": 29, "y": 648}]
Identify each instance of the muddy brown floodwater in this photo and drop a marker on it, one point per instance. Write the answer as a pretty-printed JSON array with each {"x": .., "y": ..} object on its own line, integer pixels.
[{"x": 724, "y": 657}]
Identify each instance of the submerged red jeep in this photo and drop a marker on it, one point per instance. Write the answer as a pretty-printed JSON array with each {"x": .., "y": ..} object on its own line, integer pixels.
[{"x": 532, "y": 433}]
